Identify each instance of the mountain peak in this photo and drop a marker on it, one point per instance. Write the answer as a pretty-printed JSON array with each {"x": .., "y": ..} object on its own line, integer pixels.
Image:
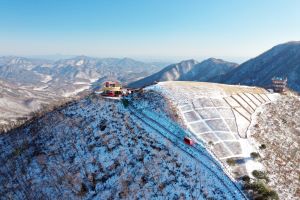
[
  {"x": 127, "y": 58},
  {"x": 286, "y": 45},
  {"x": 281, "y": 60},
  {"x": 188, "y": 61},
  {"x": 215, "y": 60},
  {"x": 293, "y": 42},
  {"x": 188, "y": 70},
  {"x": 81, "y": 57},
  {"x": 14, "y": 59},
  {"x": 218, "y": 61}
]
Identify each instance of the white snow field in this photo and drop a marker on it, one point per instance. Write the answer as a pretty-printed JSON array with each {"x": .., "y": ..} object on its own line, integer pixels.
[{"x": 219, "y": 116}]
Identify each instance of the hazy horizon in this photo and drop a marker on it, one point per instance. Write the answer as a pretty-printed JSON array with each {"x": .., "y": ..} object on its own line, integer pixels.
[
  {"x": 155, "y": 31},
  {"x": 143, "y": 59}
]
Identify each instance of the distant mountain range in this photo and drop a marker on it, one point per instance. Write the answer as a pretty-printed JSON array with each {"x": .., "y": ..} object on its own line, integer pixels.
[
  {"x": 188, "y": 70},
  {"x": 26, "y": 84},
  {"x": 282, "y": 60},
  {"x": 69, "y": 75},
  {"x": 18, "y": 101}
]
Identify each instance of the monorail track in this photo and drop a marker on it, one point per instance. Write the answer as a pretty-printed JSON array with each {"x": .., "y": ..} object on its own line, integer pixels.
[{"x": 237, "y": 194}]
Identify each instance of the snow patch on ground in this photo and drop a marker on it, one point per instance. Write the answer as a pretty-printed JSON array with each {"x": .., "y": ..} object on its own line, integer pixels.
[
  {"x": 251, "y": 164},
  {"x": 277, "y": 126},
  {"x": 69, "y": 94},
  {"x": 80, "y": 62},
  {"x": 80, "y": 83},
  {"x": 40, "y": 88},
  {"x": 46, "y": 78}
]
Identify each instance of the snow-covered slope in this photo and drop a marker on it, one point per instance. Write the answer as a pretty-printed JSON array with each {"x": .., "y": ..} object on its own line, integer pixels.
[
  {"x": 236, "y": 123},
  {"x": 20, "y": 70},
  {"x": 169, "y": 73},
  {"x": 96, "y": 149},
  {"x": 278, "y": 127},
  {"x": 17, "y": 102},
  {"x": 218, "y": 115},
  {"x": 188, "y": 70},
  {"x": 281, "y": 60},
  {"x": 209, "y": 68}
]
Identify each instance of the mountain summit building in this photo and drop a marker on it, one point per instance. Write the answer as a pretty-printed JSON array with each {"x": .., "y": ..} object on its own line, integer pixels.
[
  {"x": 112, "y": 89},
  {"x": 279, "y": 84}
]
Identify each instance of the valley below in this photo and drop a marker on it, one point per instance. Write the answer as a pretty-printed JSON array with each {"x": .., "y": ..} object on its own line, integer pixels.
[{"x": 31, "y": 85}]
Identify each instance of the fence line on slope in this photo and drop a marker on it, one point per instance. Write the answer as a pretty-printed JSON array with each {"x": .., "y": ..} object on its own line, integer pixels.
[
  {"x": 139, "y": 114},
  {"x": 175, "y": 128}
]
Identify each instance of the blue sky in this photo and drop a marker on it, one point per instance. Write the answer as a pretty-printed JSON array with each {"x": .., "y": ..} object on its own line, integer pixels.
[{"x": 147, "y": 29}]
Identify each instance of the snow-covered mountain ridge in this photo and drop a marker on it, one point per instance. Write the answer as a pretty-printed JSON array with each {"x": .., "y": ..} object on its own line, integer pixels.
[
  {"x": 97, "y": 149},
  {"x": 188, "y": 70},
  {"x": 282, "y": 60},
  {"x": 16, "y": 103}
]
